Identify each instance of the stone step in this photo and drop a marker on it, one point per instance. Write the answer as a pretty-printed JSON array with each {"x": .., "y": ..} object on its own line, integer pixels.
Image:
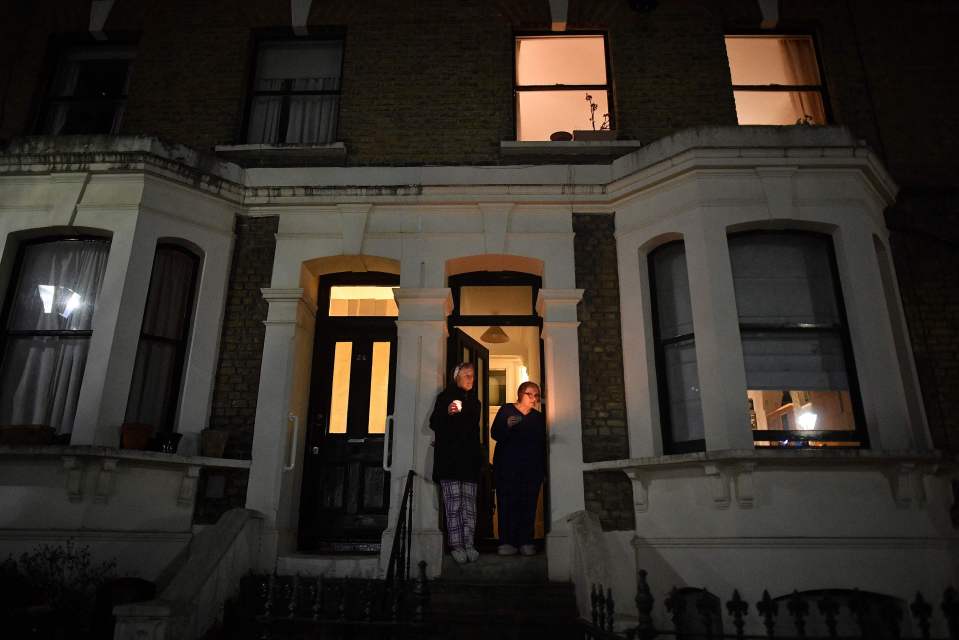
[{"x": 492, "y": 568}]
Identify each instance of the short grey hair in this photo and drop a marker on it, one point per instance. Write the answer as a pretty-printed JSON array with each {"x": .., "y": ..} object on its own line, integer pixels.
[{"x": 458, "y": 369}]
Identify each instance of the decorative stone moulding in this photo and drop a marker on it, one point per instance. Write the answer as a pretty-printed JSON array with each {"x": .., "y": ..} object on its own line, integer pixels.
[{"x": 732, "y": 475}]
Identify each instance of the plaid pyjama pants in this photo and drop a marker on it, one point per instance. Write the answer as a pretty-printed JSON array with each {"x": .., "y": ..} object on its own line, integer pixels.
[{"x": 459, "y": 500}]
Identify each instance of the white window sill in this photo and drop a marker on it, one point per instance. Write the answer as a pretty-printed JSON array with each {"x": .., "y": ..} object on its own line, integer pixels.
[
  {"x": 571, "y": 148},
  {"x": 279, "y": 155}
]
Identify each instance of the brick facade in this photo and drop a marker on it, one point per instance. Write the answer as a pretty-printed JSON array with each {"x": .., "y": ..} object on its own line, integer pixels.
[
  {"x": 602, "y": 389},
  {"x": 241, "y": 352}
]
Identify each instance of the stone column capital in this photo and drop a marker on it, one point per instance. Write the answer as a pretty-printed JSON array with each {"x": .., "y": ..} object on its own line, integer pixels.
[
  {"x": 558, "y": 305},
  {"x": 417, "y": 304},
  {"x": 285, "y": 305}
]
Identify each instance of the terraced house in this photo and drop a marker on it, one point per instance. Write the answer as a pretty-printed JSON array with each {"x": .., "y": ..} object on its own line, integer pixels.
[{"x": 720, "y": 235}]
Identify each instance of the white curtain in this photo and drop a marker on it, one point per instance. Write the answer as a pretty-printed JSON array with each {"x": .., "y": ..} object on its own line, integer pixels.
[
  {"x": 296, "y": 67},
  {"x": 56, "y": 291},
  {"x": 675, "y": 318},
  {"x": 799, "y": 60},
  {"x": 153, "y": 397}
]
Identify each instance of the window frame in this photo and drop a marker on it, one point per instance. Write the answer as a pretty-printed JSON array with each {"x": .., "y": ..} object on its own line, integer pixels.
[
  {"x": 801, "y": 437},
  {"x": 608, "y": 87},
  {"x": 821, "y": 88},
  {"x": 670, "y": 446},
  {"x": 182, "y": 345},
  {"x": 53, "y": 59},
  {"x": 13, "y": 285},
  {"x": 266, "y": 37}
]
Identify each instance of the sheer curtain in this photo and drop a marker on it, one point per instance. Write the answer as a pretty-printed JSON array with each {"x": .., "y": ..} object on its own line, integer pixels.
[
  {"x": 166, "y": 323},
  {"x": 292, "y": 68},
  {"x": 799, "y": 60},
  {"x": 55, "y": 295}
]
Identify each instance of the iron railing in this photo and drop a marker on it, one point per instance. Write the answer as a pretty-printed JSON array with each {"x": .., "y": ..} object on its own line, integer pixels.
[
  {"x": 835, "y": 614},
  {"x": 398, "y": 567}
]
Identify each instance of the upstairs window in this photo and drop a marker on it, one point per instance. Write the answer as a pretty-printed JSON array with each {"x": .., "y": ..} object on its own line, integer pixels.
[
  {"x": 89, "y": 91},
  {"x": 776, "y": 80},
  {"x": 161, "y": 352},
  {"x": 561, "y": 85},
  {"x": 296, "y": 92},
  {"x": 46, "y": 338},
  {"x": 801, "y": 384}
]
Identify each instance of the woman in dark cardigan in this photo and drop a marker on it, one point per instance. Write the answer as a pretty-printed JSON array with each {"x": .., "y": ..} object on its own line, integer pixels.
[
  {"x": 457, "y": 458},
  {"x": 519, "y": 466}
]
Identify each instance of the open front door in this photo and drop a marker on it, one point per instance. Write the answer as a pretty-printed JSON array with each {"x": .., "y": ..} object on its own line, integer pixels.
[
  {"x": 344, "y": 503},
  {"x": 463, "y": 348}
]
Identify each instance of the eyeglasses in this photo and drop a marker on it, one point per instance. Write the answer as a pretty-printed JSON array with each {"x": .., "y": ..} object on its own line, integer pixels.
[{"x": 530, "y": 394}]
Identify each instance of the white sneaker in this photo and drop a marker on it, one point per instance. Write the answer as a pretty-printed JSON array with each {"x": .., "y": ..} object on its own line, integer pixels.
[
  {"x": 528, "y": 550},
  {"x": 460, "y": 556},
  {"x": 506, "y": 550},
  {"x": 472, "y": 554}
]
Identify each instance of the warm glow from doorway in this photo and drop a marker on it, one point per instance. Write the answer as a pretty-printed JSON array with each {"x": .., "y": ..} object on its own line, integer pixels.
[
  {"x": 340, "y": 395},
  {"x": 379, "y": 387}
]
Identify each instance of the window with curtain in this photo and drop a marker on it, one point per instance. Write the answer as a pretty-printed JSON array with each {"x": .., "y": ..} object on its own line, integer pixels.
[
  {"x": 680, "y": 408},
  {"x": 561, "y": 85},
  {"x": 89, "y": 91},
  {"x": 161, "y": 352},
  {"x": 776, "y": 79},
  {"x": 296, "y": 92},
  {"x": 800, "y": 380},
  {"x": 47, "y": 329}
]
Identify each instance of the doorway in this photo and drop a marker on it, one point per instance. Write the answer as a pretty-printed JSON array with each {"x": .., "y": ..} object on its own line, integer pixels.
[
  {"x": 344, "y": 502},
  {"x": 494, "y": 325}
]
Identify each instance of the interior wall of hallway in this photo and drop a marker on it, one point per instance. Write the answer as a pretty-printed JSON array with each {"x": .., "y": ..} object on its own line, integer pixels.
[
  {"x": 238, "y": 368},
  {"x": 603, "y": 397}
]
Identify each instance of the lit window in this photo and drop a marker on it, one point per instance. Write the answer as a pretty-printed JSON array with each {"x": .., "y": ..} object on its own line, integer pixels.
[
  {"x": 89, "y": 91},
  {"x": 799, "y": 376},
  {"x": 161, "y": 352},
  {"x": 48, "y": 329},
  {"x": 775, "y": 80},
  {"x": 369, "y": 301},
  {"x": 561, "y": 85},
  {"x": 296, "y": 92},
  {"x": 680, "y": 407}
]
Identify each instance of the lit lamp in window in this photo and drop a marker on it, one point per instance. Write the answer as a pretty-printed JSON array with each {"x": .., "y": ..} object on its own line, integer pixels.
[
  {"x": 807, "y": 420},
  {"x": 494, "y": 335}
]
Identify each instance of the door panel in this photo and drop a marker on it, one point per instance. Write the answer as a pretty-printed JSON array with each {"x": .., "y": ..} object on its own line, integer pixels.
[{"x": 345, "y": 499}]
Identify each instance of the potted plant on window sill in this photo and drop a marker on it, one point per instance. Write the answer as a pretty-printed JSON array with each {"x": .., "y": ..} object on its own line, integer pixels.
[
  {"x": 602, "y": 134},
  {"x": 213, "y": 442},
  {"x": 135, "y": 435}
]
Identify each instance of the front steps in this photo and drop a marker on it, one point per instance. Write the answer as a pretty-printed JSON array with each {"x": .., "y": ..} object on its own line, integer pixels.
[{"x": 502, "y": 597}]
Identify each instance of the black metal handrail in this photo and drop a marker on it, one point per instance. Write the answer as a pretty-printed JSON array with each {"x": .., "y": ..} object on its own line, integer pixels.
[{"x": 398, "y": 567}]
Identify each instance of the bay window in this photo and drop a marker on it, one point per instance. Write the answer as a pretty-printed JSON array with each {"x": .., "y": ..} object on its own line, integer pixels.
[
  {"x": 801, "y": 383},
  {"x": 47, "y": 329},
  {"x": 680, "y": 408},
  {"x": 161, "y": 352}
]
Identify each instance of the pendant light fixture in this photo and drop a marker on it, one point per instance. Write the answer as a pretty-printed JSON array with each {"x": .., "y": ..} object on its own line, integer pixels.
[{"x": 494, "y": 335}]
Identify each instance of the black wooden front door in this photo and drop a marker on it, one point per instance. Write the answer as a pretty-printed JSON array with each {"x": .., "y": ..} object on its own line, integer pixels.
[
  {"x": 345, "y": 499},
  {"x": 463, "y": 348}
]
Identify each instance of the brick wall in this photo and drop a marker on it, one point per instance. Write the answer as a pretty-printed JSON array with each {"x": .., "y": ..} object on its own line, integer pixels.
[
  {"x": 602, "y": 390},
  {"x": 241, "y": 351}
]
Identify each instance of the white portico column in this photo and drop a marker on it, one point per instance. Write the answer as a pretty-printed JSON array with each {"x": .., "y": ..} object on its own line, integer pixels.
[
  {"x": 276, "y": 468},
  {"x": 420, "y": 364},
  {"x": 563, "y": 421},
  {"x": 719, "y": 349}
]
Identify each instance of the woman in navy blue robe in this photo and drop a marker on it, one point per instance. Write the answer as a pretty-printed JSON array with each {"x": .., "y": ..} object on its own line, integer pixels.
[{"x": 519, "y": 466}]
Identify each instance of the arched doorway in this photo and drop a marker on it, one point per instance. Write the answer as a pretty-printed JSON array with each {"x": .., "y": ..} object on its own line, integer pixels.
[
  {"x": 494, "y": 325},
  {"x": 344, "y": 504}
]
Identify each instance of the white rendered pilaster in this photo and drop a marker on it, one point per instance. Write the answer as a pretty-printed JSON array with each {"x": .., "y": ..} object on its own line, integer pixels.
[
  {"x": 876, "y": 362},
  {"x": 273, "y": 487},
  {"x": 563, "y": 421},
  {"x": 719, "y": 349},
  {"x": 420, "y": 364}
]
